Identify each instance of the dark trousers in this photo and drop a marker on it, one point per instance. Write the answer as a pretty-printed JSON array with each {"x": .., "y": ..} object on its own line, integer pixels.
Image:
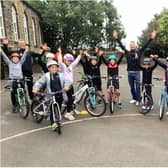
[
  {"x": 70, "y": 99},
  {"x": 14, "y": 86},
  {"x": 59, "y": 101},
  {"x": 149, "y": 91},
  {"x": 134, "y": 79},
  {"x": 30, "y": 86}
]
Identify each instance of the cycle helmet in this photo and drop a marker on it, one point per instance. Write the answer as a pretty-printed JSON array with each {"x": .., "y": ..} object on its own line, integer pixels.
[
  {"x": 112, "y": 57},
  {"x": 52, "y": 63},
  {"x": 146, "y": 61},
  {"x": 50, "y": 55},
  {"x": 68, "y": 57},
  {"x": 93, "y": 58}
]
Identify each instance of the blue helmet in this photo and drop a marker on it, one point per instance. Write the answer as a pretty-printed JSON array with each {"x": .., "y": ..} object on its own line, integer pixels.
[{"x": 112, "y": 57}]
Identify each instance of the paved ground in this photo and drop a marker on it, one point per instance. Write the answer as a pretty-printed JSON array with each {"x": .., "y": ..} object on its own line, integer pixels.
[{"x": 126, "y": 138}]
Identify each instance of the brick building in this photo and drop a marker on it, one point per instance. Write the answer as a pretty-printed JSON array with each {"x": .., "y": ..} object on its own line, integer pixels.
[{"x": 18, "y": 20}]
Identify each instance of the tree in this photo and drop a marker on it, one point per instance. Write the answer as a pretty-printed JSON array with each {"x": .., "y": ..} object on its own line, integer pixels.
[{"x": 78, "y": 23}]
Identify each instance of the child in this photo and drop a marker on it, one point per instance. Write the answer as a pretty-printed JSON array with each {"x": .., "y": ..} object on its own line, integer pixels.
[
  {"x": 93, "y": 69},
  {"x": 147, "y": 71},
  {"x": 55, "y": 81},
  {"x": 113, "y": 68},
  {"x": 67, "y": 69},
  {"x": 15, "y": 73}
]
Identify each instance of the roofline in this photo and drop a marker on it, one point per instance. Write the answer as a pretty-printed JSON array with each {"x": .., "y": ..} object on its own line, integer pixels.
[{"x": 27, "y": 4}]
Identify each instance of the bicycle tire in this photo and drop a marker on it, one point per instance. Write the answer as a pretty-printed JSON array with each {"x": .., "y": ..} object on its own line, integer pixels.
[
  {"x": 145, "y": 104},
  {"x": 36, "y": 117},
  {"x": 59, "y": 130},
  {"x": 90, "y": 109},
  {"x": 111, "y": 104},
  {"x": 162, "y": 107},
  {"x": 24, "y": 108}
]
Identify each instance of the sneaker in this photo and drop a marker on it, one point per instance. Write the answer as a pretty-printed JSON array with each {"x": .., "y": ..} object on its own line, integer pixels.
[
  {"x": 54, "y": 126},
  {"x": 120, "y": 106},
  {"x": 69, "y": 116},
  {"x": 166, "y": 113},
  {"x": 132, "y": 101},
  {"x": 42, "y": 113},
  {"x": 137, "y": 103},
  {"x": 152, "y": 107},
  {"x": 76, "y": 112}
]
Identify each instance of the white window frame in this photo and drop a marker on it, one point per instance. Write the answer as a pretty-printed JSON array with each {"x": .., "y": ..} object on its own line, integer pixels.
[
  {"x": 34, "y": 31},
  {"x": 14, "y": 24},
  {"x": 25, "y": 27},
  {"x": 2, "y": 28}
]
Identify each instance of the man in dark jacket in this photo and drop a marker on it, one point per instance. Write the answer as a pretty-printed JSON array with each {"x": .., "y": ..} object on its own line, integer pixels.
[{"x": 132, "y": 65}]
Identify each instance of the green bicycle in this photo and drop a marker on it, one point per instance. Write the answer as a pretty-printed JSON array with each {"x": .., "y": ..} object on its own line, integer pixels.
[{"x": 21, "y": 97}]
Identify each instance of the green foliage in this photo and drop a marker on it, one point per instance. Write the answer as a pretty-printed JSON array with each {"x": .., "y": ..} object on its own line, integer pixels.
[
  {"x": 78, "y": 23},
  {"x": 160, "y": 23}
]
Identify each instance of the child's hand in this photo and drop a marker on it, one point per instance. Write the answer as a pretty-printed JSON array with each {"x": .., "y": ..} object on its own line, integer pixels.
[
  {"x": 136, "y": 56},
  {"x": 35, "y": 90},
  {"x": 66, "y": 88}
]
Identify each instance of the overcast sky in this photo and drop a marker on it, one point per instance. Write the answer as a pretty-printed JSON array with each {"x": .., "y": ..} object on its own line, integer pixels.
[{"x": 135, "y": 14}]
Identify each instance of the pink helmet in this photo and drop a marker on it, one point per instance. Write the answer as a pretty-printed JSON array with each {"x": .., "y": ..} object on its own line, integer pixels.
[{"x": 68, "y": 57}]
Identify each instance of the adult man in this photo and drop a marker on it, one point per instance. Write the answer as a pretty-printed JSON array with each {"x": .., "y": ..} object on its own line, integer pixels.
[{"x": 132, "y": 65}]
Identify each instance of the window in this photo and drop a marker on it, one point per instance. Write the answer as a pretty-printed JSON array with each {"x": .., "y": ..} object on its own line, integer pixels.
[
  {"x": 34, "y": 32},
  {"x": 2, "y": 30},
  {"x": 14, "y": 24},
  {"x": 25, "y": 26}
]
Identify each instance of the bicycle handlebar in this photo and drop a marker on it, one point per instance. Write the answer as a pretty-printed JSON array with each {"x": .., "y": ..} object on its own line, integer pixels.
[{"x": 49, "y": 94}]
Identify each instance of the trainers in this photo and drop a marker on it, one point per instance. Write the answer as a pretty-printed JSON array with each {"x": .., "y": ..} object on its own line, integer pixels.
[
  {"x": 132, "y": 101},
  {"x": 167, "y": 113},
  {"x": 137, "y": 103},
  {"x": 69, "y": 116},
  {"x": 76, "y": 112},
  {"x": 120, "y": 106},
  {"x": 54, "y": 126},
  {"x": 42, "y": 113}
]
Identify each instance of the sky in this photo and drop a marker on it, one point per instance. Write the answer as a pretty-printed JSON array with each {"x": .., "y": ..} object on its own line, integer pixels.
[{"x": 135, "y": 14}]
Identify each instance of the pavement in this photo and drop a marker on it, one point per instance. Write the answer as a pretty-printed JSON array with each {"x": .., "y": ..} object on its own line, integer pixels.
[{"x": 126, "y": 138}]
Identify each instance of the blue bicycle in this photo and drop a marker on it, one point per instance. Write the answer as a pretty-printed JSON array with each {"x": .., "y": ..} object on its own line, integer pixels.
[{"x": 163, "y": 100}]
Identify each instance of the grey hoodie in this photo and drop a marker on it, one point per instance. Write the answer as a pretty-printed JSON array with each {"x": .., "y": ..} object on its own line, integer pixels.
[{"x": 15, "y": 69}]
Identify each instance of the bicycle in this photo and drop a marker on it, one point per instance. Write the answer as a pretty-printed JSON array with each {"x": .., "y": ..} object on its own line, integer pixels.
[
  {"x": 163, "y": 100},
  {"x": 21, "y": 97},
  {"x": 145, "y": 103},
  {"x": 94, "y": 103},
  {"x": 113, "y": 95},
  {"x": 41, "y": 105}
]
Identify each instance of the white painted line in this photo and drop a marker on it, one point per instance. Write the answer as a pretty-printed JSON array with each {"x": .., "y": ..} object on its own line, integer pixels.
[{"x": 69, "y": 122}]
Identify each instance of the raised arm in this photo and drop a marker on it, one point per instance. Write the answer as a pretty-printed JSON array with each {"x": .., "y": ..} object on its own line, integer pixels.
[
  {"x": 75, "y": 62},
  {"x": 120, "y": 59},
  {"x": 104, "y": 60},
  {"x": 39, "y": 84},
  {"x": 153, "y": 36},
  {"x": 115, "y": 35},
  {"x": 5, "y": 57},
  {"x": 23, "y": 58}
]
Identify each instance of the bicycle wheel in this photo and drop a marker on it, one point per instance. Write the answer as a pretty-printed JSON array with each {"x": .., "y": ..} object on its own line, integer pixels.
[
  {"x": 35, "y": 116},
  {"x": 162, "y": 107},
  {"x": 111, "y": 103},
  {"x": 23, "y": 107},
  {"x": 99, "y": 108},
  {"x": 145, "y": 104}
]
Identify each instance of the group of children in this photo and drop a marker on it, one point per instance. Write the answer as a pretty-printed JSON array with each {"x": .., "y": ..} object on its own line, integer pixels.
[{"x": 59, "y": 73}]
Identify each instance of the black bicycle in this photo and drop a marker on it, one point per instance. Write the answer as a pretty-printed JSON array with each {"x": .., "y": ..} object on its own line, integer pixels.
[
  {"x": 41, "y": 106},
  {"x": 146, "y": 103}
]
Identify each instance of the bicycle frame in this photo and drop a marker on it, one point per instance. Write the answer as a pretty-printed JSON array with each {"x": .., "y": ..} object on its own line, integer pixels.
[
  {"x": 79, "y": 94},
  {"x": 163, "y": 94}
]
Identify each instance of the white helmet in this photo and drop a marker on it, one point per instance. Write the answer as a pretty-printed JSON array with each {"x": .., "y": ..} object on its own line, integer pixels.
[
  {"x": 50, "y": 55},
  {"x": 52, "y": 63}
]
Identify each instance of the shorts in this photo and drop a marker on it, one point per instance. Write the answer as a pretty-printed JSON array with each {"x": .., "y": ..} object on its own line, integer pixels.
[
  {"x": 115, "y": 83},
  {"x": 97, "y": 83}
]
